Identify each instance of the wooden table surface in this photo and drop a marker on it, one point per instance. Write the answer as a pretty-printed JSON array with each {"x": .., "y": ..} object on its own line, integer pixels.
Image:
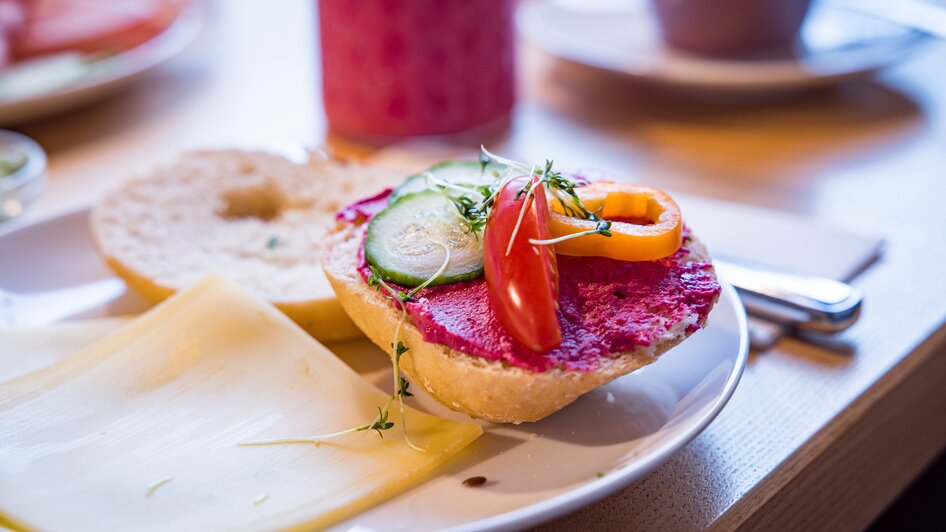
[{"x": 816, "y": 436}]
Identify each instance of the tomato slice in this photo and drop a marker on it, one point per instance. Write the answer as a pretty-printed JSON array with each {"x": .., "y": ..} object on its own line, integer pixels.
[{"x": 522, "y": 278}]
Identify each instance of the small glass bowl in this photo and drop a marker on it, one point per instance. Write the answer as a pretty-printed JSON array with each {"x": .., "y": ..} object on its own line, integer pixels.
[{"x": 24, "y": 184}]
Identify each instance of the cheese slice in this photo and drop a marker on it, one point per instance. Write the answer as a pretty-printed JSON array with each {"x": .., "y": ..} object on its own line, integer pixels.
[
  {"x": 141, "y": 430},
  {"x": 26, "y": 349}
]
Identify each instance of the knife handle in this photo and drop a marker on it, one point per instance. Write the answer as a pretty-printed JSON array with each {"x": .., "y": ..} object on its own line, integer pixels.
[{"x": 804, "y": 301}]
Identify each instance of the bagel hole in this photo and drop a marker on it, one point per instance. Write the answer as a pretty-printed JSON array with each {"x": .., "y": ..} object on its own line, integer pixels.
[{"x": 263, "y": 202}]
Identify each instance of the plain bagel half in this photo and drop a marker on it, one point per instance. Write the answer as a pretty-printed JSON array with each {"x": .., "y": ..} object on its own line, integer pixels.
[{"x": 254, "y": 217}]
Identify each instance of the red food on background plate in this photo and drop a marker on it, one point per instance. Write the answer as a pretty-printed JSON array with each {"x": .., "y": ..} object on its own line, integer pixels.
[
  {"x": 12, "y": 17},
  {"x": 53, "y": 26}
]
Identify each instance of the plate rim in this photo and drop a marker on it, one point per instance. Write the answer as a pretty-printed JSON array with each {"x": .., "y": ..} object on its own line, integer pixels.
[
  {"x": 576, "y": 498},
  {"x": 161, "y": 48},
  {"x": 572, "y": 500},
  {"x": 531, "y": 10}
]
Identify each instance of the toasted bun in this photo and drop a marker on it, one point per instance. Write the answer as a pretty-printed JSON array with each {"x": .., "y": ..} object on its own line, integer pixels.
[
  {"x": 481, "y": 388},
  {"x": 255, "y": 217}
]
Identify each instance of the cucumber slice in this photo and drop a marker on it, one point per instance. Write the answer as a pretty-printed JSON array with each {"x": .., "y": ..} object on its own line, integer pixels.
[
  {"x": 401, "y": 242},
  {"x": 470, "y": 173}
]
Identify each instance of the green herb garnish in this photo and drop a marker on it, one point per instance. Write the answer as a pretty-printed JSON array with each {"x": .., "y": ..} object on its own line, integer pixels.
[
  {"x": 403, "y": 384},
  {"x": 473, "y": 204},
  {"x": 11, "y": 160},
  {"x": 380, "y": 423},
  {"x": 562, "y": 188},
  {"x": 398, "y": 349}
]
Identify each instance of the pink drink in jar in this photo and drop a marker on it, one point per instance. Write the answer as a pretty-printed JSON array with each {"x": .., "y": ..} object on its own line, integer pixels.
[{"x": 393, "y": 68}]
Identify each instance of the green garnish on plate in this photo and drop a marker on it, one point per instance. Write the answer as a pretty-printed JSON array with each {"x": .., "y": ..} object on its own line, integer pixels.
[{"x": 11, "y": 160}]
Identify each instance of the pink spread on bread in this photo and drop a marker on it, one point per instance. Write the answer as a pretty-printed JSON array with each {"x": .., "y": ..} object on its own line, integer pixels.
[
  {"x": 365, "y": 209},
  {"x": 605, "y": 306}
]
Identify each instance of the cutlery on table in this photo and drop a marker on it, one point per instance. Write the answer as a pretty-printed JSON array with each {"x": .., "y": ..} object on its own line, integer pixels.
[{"x": 806, "y": 302}]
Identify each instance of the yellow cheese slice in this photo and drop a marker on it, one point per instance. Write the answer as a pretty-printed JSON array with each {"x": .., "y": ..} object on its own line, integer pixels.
[
  {"x": 140, "y": 430},
  {"x": 26, "y": 349}
]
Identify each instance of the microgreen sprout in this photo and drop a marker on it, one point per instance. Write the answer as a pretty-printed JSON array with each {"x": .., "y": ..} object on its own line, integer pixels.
[
  {"x": 560, "y": 188},
  {"x": 381, "y": 422},
  {"x": 473, "y": 213},
  {"x": 472, "y": 202},
  {"x": 155, "y": 485},
  {"x": 603, "y": 229},
  {"x": 522, "y": 211}
]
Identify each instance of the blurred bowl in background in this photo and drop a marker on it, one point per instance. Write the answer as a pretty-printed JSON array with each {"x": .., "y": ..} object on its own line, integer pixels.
[
  {"x": 836, "y": 43},
  {"x": 22, "y": 173}
]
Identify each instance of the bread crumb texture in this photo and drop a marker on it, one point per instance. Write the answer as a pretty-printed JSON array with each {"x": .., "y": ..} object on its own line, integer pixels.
[
  {"x": 485, "y": 389},
  {"x": 254, "y": 217}
]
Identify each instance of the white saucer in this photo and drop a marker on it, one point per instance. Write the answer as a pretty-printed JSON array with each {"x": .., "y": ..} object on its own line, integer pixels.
[
  {"x": 622, "y": 36},
  {"x": 609, "y": 438}
]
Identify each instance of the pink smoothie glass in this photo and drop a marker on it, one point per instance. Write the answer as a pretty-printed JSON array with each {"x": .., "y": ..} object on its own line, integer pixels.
[{"x": 396, "y": 68}]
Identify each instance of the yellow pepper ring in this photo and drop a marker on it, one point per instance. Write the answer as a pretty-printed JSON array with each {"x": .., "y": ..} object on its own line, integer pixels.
[{"x": 659, "y": 235}]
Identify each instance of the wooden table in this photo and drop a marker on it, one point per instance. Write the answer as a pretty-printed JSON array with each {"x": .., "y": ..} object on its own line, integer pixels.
[{"x": 816, "y": 437}]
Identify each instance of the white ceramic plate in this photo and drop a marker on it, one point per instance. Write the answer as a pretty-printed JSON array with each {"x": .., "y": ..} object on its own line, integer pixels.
[
  {"x": 604, "y": 441},
  {"x": 622, "y": 36},
  {"x": 45, "y": 86}
]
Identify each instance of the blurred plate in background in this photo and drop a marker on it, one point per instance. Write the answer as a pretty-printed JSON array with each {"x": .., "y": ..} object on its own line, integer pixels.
[
  {"x": 40, "y": 87},
  {"x": 836, "y": 44}
]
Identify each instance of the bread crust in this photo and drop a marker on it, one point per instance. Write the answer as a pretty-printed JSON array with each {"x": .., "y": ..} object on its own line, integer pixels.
[
  {"x": 324, "y": 319},
  {"x": 486, "y": 389}
]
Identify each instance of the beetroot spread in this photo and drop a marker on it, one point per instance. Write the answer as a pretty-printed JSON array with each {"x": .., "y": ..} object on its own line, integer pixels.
[
  {"x": 605, "y": 306},
  {"x": 365, "y": 209}
]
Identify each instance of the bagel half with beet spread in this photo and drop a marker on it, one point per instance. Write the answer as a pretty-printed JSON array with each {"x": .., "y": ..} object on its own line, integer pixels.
[{"x": 615, "y": 316}]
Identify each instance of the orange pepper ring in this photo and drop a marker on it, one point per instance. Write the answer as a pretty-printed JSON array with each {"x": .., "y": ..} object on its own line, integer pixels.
[{"x": 628, "y": 241}]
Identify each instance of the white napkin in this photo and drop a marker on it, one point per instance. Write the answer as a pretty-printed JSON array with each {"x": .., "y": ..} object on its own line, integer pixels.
[
  {"x": 732, "y": 231},
  {"x": 777, "y": 240}
]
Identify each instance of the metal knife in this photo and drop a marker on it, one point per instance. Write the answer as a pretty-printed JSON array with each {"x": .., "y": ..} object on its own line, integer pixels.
[{"x": 807, "y": 302}]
